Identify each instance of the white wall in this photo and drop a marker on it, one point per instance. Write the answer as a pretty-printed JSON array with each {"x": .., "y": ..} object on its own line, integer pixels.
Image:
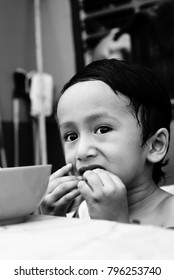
[
  {"x": 17, "y": 44},
  {"x": 58, "y": 48}
]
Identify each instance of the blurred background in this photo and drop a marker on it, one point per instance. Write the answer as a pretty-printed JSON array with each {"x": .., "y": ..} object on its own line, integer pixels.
[{"x": 58, "y": 37}]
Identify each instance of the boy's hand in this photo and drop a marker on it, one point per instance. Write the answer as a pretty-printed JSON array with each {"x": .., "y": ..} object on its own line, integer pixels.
[
  {"x": 62, "y": 190},
  {"x": 105, "y": 194}
]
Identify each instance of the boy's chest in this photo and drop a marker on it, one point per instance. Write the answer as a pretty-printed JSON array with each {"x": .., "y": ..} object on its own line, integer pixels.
[
  {"x": 152, "y": 218},
  {"x": 158, "y": 216}
]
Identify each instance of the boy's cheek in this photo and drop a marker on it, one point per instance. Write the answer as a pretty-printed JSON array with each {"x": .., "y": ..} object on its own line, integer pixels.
[
  {"x": 70, "y": 158},
  {"x": 69, "y": 155},
  {"x": 73, "y": 171}
]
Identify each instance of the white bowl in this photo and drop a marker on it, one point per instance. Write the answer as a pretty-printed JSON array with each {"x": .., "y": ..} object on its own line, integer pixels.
[{"x": 21, "y": 191}]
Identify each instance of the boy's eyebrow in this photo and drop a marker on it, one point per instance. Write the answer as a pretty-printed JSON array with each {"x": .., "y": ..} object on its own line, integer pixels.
[
  {"x": 97, "y": 116},
  {"x": 91, "y": 118}
]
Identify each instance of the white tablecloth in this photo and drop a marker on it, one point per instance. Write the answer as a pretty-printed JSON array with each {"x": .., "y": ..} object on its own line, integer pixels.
[{"x": 48, "y": 237}]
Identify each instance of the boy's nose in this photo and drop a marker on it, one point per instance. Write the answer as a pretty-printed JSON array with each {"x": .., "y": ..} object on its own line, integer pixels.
[{"x": 85, "y": 149}]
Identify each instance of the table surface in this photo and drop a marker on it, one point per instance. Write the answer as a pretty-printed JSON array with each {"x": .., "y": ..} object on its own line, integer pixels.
[{"x": 56, "y": 238}]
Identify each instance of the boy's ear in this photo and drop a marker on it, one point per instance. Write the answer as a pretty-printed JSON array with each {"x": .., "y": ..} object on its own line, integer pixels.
[{"x": 158, "y": 145}]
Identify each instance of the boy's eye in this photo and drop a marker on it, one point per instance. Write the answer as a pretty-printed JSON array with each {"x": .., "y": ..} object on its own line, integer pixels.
[
  {"x": 70, "y": 136},
  {"x": 103, "y": 129}
]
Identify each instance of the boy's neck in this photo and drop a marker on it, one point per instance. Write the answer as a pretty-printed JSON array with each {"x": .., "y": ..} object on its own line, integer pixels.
[{"x": 143, "y": 199}]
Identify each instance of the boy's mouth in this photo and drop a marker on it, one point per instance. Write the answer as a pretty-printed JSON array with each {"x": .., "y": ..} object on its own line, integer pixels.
[{"x": 89, "y": 167}]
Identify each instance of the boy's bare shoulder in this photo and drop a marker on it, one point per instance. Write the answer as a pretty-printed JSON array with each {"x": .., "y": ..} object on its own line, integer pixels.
[{"x": 167, "y": 210}]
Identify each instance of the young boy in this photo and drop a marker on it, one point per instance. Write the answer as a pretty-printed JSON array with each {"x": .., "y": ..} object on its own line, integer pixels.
[{"x": 114, "y": 119}]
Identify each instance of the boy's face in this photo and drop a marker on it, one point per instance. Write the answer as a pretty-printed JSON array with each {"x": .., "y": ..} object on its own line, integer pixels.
[{"x": 98, "y": 130}]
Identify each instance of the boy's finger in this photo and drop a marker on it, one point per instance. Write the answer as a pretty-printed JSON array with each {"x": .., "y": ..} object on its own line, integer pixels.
[
  {"x": 58, "y": 181},
  {"x": 61, "y": 191},
  {"x": 84, "y": 190},
  {"x": 62, "y": 204},
  {"x": 93, "y": 181},
  {"x": 62, "y": 171},
  {"x": 106, "y": 179},
  {"x": 110, "y": 181},
  {"x": 116, "y": 180},
  {"x": 53, "y": 184}
]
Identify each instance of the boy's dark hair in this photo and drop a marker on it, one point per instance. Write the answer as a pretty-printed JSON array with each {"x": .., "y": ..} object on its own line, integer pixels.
[{"x": 149, "y": 100}]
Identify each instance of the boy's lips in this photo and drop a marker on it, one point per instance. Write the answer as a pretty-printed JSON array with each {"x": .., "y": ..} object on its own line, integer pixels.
[{"x": 89, "y": 167}]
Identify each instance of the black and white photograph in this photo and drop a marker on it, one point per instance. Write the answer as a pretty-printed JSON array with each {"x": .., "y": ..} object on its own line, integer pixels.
[{"x": 86, "y": 139}]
